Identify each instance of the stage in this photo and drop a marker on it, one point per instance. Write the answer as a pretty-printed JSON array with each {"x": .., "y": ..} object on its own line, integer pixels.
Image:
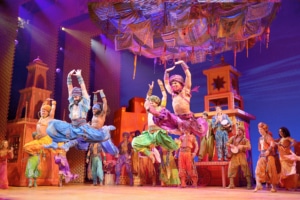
[{"x": 88, "y": 191}]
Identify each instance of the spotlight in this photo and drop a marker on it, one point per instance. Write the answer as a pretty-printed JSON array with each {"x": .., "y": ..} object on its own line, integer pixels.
[
  {"x": 61, "y": 49},
  {"x": 22, "y": 22},
  {"x": 57, "y": 70},
  {"x": 16, "y": 42},
  {"x": 63, "y": 28}
]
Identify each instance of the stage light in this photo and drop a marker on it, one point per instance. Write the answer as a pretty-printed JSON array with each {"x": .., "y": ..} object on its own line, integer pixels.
[
  {"x": 61, "y": 49},
  {"x": 63, "y": 28},
  {"x": 22, "y": 22}
]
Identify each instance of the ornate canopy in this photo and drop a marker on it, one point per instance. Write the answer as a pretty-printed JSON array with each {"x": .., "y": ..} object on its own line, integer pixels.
[{"x": 188, "y": 30}]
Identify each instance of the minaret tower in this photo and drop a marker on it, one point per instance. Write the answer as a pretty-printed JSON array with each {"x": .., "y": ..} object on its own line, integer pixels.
[
  {"x": 19, "y": 131},
  {"x": 35, "y": 91}
]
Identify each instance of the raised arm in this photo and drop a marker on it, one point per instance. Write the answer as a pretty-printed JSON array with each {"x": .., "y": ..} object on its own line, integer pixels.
[
  {"x": 53, "y": 107},
  {"x": 95, "y": 98},
  {"x": 81, "y": 83},
  {"x": 163, "y": 92},
  {"x": 69, "y": 82},
  {"x": 149, "y": 93},
  {"x": 188, "y": 75},
  {"x": 104, "y": 100},
  {"x": 166, "y": 80}
]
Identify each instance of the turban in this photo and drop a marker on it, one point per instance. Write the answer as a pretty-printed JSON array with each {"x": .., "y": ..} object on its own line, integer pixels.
[
  {"x": 46, "y": 107},
  {"x": 177, "y": 78},
  {"x": 97, "y": 106},
  {"x": 155, "y": 99},
  {"x": 76, "y": 91},
  {"x": 242, "y": 128},
  {"x": 125, "y": 134}
]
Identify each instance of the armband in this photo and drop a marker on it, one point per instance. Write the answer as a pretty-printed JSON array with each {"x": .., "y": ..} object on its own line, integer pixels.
[
  {"x": 69, "y": 80},
  {"x": 80, "y": 80},
  {"x": 163, "y": 103},
  {"x": 102, "y": 95}
]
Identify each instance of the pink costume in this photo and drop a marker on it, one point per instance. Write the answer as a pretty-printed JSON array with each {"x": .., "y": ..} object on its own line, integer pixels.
[{"x": 3, "y": 167}]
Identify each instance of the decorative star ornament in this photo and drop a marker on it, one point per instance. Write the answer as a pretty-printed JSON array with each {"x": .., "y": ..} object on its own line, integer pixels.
[{"x": 218, "y": 83}]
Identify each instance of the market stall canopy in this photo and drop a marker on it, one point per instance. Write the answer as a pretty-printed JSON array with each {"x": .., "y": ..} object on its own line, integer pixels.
[{"x": 186, "y": 30}]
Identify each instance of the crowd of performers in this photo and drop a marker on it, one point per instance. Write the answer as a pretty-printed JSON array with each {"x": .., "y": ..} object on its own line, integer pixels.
[{"x": 152, "y": 153}]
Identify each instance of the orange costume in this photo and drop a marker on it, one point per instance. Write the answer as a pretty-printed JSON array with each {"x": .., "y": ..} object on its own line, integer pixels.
[
  {"x": 185, "y": 161},
  {"x": 265, "y": 168}
]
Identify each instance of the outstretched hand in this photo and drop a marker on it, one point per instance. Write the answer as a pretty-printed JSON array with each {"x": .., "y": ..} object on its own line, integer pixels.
[
  {"x": 98, "y": 91},
  {"x": 78, "y": 73},
  {"x": 151, "y": 85},
  {"x": 179, "y": 62},
  {"x": 170, "y": 69},
  {"x": 71, "y": 72},
  {"x": 159, "y": 82}
]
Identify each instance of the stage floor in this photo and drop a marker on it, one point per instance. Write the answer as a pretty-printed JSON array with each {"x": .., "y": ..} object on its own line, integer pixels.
[{"x": 88, "y": 191}]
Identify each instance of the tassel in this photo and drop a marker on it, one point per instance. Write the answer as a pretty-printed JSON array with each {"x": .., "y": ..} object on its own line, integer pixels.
[
  {"x": 247, "y": 48},
  {"x": 260, "y": 41},
  {"x": 134, "y": 66},
  {"x": 193, "y": 55},
  {"x": 267, "y": 36},
  {"x": 140, "y": 50}
]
